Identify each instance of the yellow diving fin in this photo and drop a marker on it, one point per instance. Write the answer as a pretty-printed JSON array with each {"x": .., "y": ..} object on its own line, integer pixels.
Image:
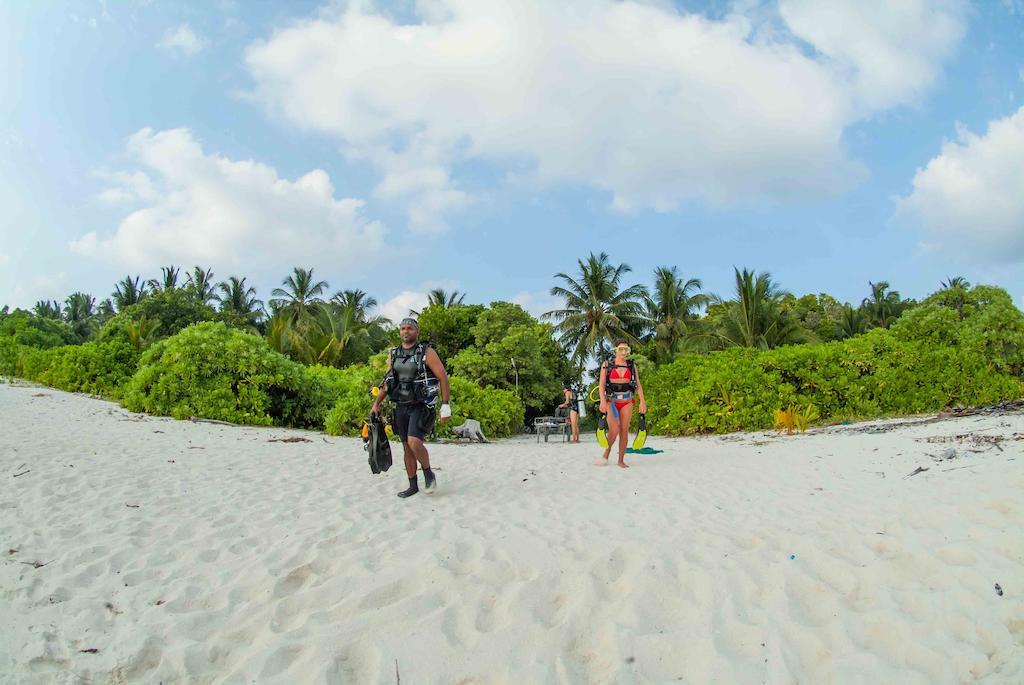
[
  {"x": 602, "y": 431},
  {"x": 641, "y": 433}
]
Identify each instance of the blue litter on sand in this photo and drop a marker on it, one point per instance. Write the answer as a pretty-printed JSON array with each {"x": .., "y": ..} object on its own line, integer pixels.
[{"x": 792, "y": 557}]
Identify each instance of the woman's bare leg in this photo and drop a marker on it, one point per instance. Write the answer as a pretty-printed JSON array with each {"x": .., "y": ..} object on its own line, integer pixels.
[
  {"x": 613, "y": 431},
  {"x": 625, "y": 414}
]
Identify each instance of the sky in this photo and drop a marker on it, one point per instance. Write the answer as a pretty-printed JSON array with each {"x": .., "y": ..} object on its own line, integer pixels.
[{"x": 484, "y": 146}]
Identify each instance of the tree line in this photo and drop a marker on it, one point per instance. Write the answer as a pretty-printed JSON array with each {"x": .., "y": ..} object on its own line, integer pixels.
[{"x": 672, "y": 317}]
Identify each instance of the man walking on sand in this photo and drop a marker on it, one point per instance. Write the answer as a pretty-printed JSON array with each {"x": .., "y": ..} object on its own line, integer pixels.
[{"x": 415, "y": 373}]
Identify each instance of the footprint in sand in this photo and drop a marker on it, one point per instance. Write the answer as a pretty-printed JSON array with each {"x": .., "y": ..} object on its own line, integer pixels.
[
  {"x": 553, "y": 613},
  {"x": 455, "y": 626},
  {"x": 293, "y": 582},
  {"x": 280, "y": 661},
  {"x": 356, "y": 662},
  {"x": 385, "y": 596}
]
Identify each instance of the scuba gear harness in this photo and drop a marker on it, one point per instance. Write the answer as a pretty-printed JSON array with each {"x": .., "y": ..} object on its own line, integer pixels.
[{"x": 423, "y": 388}]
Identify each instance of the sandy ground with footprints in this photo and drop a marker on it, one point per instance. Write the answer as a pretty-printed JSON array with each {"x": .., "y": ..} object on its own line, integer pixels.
[{"x": 142, "y": 549}]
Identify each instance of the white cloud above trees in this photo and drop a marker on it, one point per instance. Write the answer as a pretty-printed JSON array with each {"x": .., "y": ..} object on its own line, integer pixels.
[
  {"x": 969, "y": 199},
  {"x": 655, "y": 107},
  {"x": 188, "y": 206}
]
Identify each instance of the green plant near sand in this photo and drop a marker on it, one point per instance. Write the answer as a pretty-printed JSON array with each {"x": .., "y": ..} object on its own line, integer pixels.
[
  {"x": 929, "y": 359},
  {"x": 961, "y": 345},
  {"x": 794, "y": 418},
  {"x": 216, "y": 372},
  {"x": 499, "y": 412},
  {"x": 96, "y": 368}
]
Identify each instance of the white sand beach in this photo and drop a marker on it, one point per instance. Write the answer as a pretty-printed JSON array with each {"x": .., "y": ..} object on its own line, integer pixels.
[{"x": 139, "y": 549}]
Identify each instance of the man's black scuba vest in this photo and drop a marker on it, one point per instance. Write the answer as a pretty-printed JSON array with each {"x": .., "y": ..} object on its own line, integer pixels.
[{"x": 422, "y": 388}]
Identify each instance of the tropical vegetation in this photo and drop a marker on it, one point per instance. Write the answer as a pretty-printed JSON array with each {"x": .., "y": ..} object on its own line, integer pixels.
[{"x": 187, "y": 344}]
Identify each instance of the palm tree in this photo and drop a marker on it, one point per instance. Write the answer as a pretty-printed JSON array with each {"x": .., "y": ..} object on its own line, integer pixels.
[
  {"x": 596, "y": 310},
  {"x": 328, "y": 336},
  {"x": 853, "y": 321},
  {"x": 277, "y": 333},
  {"x": 360, "y": 303},
  {"x": 882, "y": 307},
  {"x": 239, "y": 299},
  {"x": 300, "y": 295},
  {"x": 956, "y": 282},
  {"x": 200, "y": 282},
  {"x": 80, "y": 314},
  {"x": 105, "y": 310},
  {"x": 755, "y": 318},
  {"x": 168, "y": 279},
  {"x": 45, "y": 309},
  {"x": 672, "y": 310},
  {"x": 955, "y": 291},
  {"x": 141, "y": 333},
  {"x": 128, "y": 292},
  {"x": 439, "y": 298}
]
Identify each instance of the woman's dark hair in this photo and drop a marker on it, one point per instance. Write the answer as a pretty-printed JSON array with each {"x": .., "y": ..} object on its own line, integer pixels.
[{"x": 621, "y": 341}]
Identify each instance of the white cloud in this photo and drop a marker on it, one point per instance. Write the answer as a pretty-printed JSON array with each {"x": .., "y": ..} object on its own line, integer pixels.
[
  {"x": 970, "y": 198},
  {"x": 201, "y": 208},
  {"x": 43, "y": 287},
  {"x": 890, "y": 52},
  {"x": 655, "y": 107},
  {"x": 126, "y": 188},
  {"x": 537, "y": 303},
  {"x": 182, "y": 40},
  {"x": 399, "y": 306}
]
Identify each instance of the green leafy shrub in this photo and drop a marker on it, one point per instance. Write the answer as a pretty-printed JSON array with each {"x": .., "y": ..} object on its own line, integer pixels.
[
  {"x": 499, "y": 412},
  {"x": 24, "y": 328},
  {"x": 98, "y": 368},
  {"x": 213, "y": 371},
  {"x": 175, "y": 310},
  {"x": 21, "y": 360},
  {"x": 350, "y": 391},
  {"x": 715, "y": 393},
  {"x": 881, "y": 373},
  {"x": 9, "y": 352}
]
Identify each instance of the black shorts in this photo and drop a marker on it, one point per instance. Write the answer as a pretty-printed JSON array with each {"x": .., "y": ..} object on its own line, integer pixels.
[{"x": 412, "y": 420}]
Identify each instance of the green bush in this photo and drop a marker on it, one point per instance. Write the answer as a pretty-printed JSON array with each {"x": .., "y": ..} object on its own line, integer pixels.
[
  {"x": 880, "y": 373},
  {"x": 212, "y": 371},
  {"x": 714, "y": 393},
  {"x": 175, "y": 310},
  {"x": 21, "y": 360},
  {"x": 27, "y": 329},
  {"x": 350, "y": 390},
  {"x": 9, "y": 352},
  {"x": 97, "y": 368},
  {"x": 957, "y": 347},
  {"x": 499, "y": 412}
]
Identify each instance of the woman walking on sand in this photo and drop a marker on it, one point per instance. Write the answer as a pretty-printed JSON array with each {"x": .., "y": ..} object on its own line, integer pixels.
[
  {"x": 620, "y": 388},
  {"x": 570, "y": 406}
]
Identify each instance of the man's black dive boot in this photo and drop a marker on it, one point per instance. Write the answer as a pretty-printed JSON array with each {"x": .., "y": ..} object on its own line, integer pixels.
[
  {"x": 413, "y": 488},
  {"x": 430, "y": 486}
]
